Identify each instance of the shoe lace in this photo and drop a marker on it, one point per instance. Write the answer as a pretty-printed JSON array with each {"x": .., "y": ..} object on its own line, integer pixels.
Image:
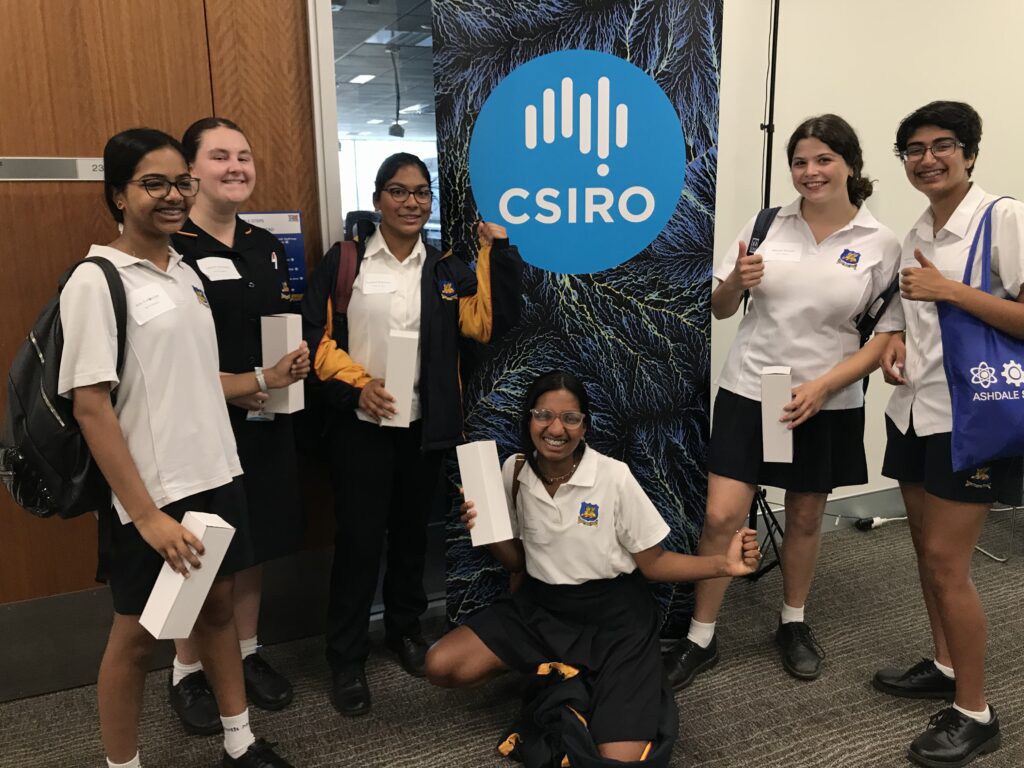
[
  {"x": 690, "y": 649},
  {"x": 803, "y": 634},
  {"x": 194, "y": 686},
  {"x": 945, "y": 720},
  {"x": 259, "y": 665}
]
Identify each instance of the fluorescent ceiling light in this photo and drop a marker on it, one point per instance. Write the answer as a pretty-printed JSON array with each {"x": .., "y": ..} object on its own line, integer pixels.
[
  {"x": 360, "y": 79},
  {"x": 402, "y": 122},
  {"x": 409, "y": 110},
  {"x": 375, "y": 121}
]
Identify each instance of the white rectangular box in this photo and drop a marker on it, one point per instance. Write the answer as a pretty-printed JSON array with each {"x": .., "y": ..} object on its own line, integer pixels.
[
  {"x": 482, "y": 484},
  {"x": 403, "y": 358},
  {"x": 776, "y": 392},
  {"x": 282, "y": 334},
  {"x": 174, "y": 603}
]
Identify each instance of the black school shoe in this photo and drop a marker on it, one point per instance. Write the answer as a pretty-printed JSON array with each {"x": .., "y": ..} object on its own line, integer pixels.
[
  {"x": 260, "y": 754},
  {"x": 687, "y": 660},
  {"x": 800, "y": 652},
  {"x": 193, "y": 702},
  {"x": 265, "y": 687},
  {"x": 921, "y": 681},
  {"x": 350, "y": 693},
  {"x": 953, "y": 739},
  {"x": 411, "y": 651}
]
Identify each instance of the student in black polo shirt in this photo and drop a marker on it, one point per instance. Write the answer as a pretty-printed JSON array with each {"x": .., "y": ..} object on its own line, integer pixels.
[{"x": 245, "y": 275}]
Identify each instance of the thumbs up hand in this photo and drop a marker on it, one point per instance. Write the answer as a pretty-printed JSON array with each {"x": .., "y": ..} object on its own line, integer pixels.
[{"x": 926, "y": 282}]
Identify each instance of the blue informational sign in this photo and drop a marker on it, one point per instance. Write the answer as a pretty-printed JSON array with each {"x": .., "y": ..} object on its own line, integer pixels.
[
  {"x": 580, "y": 154},
  {"x": 286, "y": 226}
]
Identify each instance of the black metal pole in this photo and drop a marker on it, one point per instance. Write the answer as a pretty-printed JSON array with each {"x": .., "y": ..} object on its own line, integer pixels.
[{"x": 769, "y": 127}]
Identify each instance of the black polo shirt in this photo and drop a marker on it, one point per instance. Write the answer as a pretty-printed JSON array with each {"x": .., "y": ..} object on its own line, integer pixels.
[{"x": 238, "y": 303}]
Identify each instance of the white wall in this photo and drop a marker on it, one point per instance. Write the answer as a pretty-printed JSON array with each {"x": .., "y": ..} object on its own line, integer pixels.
[{"x": 872, "y": 62}]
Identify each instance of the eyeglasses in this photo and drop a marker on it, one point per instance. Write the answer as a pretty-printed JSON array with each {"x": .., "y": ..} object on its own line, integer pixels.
[
  {"x": 939, "y": 148},
  {"x": 160, "y": 186},
  {"x": 401, "y": 194},
  {"x": 568, "y": 418}
]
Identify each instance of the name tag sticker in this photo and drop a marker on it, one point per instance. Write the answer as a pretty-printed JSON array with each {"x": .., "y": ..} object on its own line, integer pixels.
[
  {"x": 148, "y": 302},
  {"x": 218, "y": 268},
  {"x": 773, "y": 251},
  {"x": 378, "y": 282}
]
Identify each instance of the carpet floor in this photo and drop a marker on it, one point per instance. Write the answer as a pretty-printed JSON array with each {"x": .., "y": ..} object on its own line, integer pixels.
[{"x": 865, "y": 609}]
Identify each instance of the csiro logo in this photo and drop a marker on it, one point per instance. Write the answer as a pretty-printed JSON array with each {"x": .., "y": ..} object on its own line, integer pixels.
[{"x": 581, "y": 156}]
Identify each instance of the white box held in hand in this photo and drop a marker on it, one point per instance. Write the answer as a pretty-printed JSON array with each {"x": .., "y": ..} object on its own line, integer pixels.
[
  {"x": 282, "y": 334},
  {"x": 776, "y": 392},
  {"x": 482, "y": 484},
  {"x": 403, "y": 357},
  {"x": 174, "y": 603}
]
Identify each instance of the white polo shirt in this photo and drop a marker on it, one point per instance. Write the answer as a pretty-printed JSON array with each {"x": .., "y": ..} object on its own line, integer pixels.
[
  {"x": 385, "y": 297},
  {"x": 170, "y": 403},
  {"x": 590, "y": 528},
  {"x": 803, "y": 314},
  {"x": 926, "y": 393}
]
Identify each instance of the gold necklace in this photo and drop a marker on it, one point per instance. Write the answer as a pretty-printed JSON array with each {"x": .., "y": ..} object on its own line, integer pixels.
[{"x": 560, "y": 478}]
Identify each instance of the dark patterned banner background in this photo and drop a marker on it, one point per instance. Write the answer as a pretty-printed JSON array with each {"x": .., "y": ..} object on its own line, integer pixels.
[{"x": 638, "y": 335}]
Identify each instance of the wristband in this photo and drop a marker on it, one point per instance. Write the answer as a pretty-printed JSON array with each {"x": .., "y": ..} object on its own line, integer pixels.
[{"x": 261, "y": 380}]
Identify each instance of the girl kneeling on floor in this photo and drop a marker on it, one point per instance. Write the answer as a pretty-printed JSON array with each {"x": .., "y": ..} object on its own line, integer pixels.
[{"x": 586, "y": 536}]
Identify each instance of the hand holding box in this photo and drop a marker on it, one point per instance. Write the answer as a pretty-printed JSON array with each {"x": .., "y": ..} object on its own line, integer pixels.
[
  {"x": 282, "y": 334},
  {"x": 175, "y": 602},
  {"x": 482, "y": 484},
  {"x": 776, "y": 392}
]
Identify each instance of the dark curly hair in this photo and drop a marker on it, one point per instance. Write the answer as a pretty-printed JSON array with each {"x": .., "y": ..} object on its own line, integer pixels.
[{"x": 842, "y": 139}]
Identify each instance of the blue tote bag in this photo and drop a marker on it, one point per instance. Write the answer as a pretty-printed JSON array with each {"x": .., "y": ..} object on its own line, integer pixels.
[{"x": 985, "y": 372}]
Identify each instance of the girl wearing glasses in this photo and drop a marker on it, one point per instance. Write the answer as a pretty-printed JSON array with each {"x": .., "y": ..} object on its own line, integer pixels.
[
  {"x": 165, "y": 446},
  {"x": 586, "y": 536},
  {"x": 245, "y": 276},
  {"x": 385, "y": 477},
  {"x": 939, "y": 144},
  {"x": 824, "y": 261}
]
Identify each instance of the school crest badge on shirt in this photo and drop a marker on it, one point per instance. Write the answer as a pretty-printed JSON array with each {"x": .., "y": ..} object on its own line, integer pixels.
[
  {"x": 201, "y": 297},
  {"x": 448, "y": 292},
  {"x": 849, "y": 258},
  {"x": 589, "y": 513}
]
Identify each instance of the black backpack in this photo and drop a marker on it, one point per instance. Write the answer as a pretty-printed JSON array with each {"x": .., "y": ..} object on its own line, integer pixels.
[{"x": 44, "y": 461}]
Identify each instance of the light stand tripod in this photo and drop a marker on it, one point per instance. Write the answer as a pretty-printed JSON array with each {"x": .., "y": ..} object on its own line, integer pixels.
[{"x": 773, "y": 532}]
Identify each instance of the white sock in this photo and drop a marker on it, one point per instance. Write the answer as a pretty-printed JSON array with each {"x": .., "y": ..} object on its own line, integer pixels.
[
  {"x": 183, "y": 670},
  {"x": 249, "y": 647},
  {"x": 984, "y": 716},
  {"x": 790, "y": 614},
  {"x": 947, "y": 671},
  {"x": 133, "y": 763},
  {"x": 700, "y": 633},
  {"x": 237, "y": 736}
]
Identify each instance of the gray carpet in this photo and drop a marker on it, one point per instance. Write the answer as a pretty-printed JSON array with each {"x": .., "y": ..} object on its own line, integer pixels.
[{"x": 865, "y": 609}]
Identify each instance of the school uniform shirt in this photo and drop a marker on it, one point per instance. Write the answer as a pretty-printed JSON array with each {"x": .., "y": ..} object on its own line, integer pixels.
[
  {"x": 925, "y": 396},
  {"x": 244, "y": 282},
  {"x": 170, "y": 403},
  {"x": 591, "y": 527},
  {"x": 804, "y": 312},
  {"x": 385, "y": 298}
]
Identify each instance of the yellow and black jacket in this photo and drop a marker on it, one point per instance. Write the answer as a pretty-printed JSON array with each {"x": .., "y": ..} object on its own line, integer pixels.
[{"x": 455, "y": 302}]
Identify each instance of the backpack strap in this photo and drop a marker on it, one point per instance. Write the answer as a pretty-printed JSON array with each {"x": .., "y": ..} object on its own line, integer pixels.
[
  {"x": 762, "y": 224},
  {"x": 118, "y": 298},
  {"x": 520, "y": 463},
  {"x": 348, "y": 266},
  {"x": 867, "y": 322}
]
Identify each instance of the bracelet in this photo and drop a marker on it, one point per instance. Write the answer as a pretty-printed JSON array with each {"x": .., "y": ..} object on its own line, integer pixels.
[{"x": 261, "y": 380}]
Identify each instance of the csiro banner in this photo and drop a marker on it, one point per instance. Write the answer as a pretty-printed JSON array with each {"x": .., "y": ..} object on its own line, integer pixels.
[{"x": 589, "y": 132}]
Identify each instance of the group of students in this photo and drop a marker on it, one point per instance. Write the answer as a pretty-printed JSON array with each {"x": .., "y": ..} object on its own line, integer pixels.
[{"x": 175, "y": 429}]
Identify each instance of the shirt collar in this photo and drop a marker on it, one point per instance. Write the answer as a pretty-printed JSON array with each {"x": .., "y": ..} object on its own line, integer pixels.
[
  {"x": 959, "y": 223},
  {"x": 122, "y": 260},
  {"x": 377, "y": 247},
  {"x": 863, "y": 218},
  {"x": 585, "y": 475},
  {"x": 207, "y": 243}
]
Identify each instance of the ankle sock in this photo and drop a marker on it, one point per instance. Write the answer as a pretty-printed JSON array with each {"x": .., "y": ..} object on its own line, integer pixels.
[
  {"x": 249, "y": 647},
  {"x": 133, "y": 763},
  {"x": 984, "y": 716},
  {"x": 947, "y": 671},
  {"x": 237, "y": 735},
  {"x": 181, "y": 671},
  {"x": 700, "y": 633},
  {"x": 790, "y": 614}
]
